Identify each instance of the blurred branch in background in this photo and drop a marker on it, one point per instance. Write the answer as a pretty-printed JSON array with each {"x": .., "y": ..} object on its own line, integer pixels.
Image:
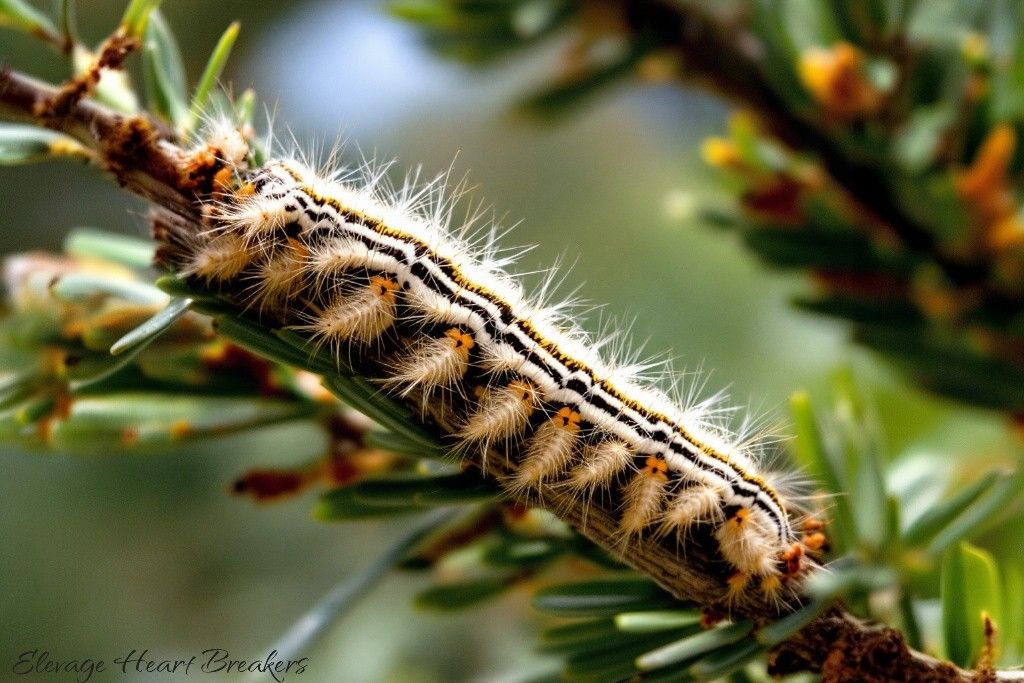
[
  {"x": 175, "y": 383},
  {"x": 876, "y": 150}
]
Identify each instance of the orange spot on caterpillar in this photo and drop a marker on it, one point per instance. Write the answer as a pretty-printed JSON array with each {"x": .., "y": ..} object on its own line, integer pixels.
[
  {"x": 656, "y": 467},
  {"x": 460, "y": 339},
  {"x": 384, "y": 287},
  {"x": 815, "y": 541},
  {"x": 567, "y": 418},
  {"x": 739, "y": 518},
  {"x": 792, "y": 558}
]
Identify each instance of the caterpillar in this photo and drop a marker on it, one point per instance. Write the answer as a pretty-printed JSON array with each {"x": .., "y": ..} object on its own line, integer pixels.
[{"x": 379, "y": 279}]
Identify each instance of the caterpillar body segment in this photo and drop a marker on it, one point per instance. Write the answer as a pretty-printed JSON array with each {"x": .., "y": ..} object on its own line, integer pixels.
[
  {"x": 381, "y": 282},
  {"x": 502, "y": 412},
  {"x": 360, "y": 316},
  {"x": 549, "y": 452},
  {"x": 277, "y": 279},
  {"x": 642, "y": 498},
  {"x": 431, "y": 363},
  {"x": 693, "y": 506},
  {"x": 222, "y": 259}
]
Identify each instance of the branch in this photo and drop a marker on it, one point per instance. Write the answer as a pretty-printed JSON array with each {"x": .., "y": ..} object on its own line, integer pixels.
[
  {"x": 149, "y": 163},
  {"x": 725, "y": 60},
  {"x": 140, "y": 155}
]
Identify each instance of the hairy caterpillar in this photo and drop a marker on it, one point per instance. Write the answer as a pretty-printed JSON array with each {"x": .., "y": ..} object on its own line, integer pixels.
[{"x": 376, "y": 277}]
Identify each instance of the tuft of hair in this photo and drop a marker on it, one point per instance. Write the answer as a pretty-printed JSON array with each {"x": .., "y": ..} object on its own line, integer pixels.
[
  {"x": 431, "y": 363},
  {"x": 747, "y": 542},
  {"x": 387, "y": 274},
  {"x": 642, "y": 497},
  {"x": 501, "y": 413},
  {"x": 360, "y": 315},
  {"x": 691, "y": 506},
  {"x": 548, "y": 452}
]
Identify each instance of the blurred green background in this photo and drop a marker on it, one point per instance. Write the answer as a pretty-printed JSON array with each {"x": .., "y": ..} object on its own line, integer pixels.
[{"x": 102, "y": 555}]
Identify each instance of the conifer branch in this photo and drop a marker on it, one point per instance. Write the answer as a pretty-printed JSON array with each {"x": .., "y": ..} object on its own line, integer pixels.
[{"x": 147, "y": 160}]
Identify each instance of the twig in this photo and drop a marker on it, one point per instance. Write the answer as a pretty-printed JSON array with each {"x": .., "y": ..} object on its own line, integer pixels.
[
  {"x": 111, "y": 55},
  {"x": 725, "y": 61},
  {"x": 837, "y": 644}
]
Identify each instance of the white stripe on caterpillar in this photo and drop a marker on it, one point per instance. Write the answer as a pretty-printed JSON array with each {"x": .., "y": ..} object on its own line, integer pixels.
[{"x": 382, "y": 278}]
